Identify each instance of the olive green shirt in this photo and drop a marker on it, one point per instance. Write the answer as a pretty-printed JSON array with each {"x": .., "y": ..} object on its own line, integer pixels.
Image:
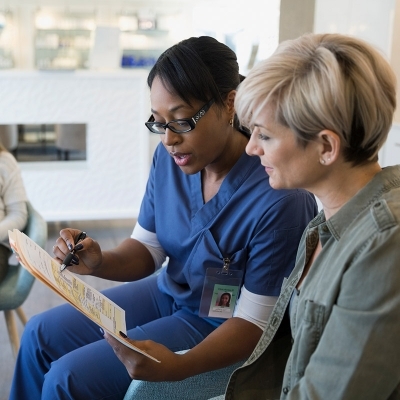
[{"x": 345, "y": 320}]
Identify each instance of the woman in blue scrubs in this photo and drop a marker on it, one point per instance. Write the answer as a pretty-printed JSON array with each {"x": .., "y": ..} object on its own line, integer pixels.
[{"x": 209, "y": 208}]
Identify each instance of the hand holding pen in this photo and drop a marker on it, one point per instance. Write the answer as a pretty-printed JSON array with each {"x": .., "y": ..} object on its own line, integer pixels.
[{"x": 70, "y": 255}]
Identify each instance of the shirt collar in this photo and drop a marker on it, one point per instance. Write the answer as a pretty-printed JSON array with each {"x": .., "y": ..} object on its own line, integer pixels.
[{"x": 383, "y": 181}]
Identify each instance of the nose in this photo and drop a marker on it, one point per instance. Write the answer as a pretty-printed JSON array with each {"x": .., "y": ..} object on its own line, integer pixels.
[
  {"x": 252, "y": 148},
  {"x": 170, "y": 138}
]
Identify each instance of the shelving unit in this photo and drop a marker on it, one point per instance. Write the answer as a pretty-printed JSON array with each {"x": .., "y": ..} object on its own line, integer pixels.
[
  {"x": 62, "y": 48},
  {"x": 6, "y": 39},
  {"x": 141, "y": 47},
  {"x": 63, "y": 42}
]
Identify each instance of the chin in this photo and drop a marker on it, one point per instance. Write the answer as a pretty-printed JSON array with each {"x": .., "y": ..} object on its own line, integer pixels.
[
  {"x": 278, "y": 185},
  {"x": 189, "y": 170}
]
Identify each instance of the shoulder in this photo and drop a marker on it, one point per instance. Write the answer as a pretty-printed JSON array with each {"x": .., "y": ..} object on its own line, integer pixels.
[
  {"x": 8, "y": 163},
  {"x": 7, "y": 157},
  {"x": 384, "y": 208}
]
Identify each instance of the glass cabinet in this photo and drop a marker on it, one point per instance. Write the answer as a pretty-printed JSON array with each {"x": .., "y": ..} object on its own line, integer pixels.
[
  {"x": 7, "y": 37},
  {"x": 141, "y": 40},
  {"x": 63, "y": 41}
]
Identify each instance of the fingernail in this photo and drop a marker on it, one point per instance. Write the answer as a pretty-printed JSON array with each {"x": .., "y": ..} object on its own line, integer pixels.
[
  {"x": 78, "y": 247},
  {"x": 75, "y": 258},
  {"x": 70, "y": 247},
  {"x": 75, "y": 262},
  {"x": 101, "y": 331},
  {"x": 123, "y": 335}
]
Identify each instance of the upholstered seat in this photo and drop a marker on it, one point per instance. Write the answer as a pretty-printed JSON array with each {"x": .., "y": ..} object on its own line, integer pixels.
[
  {"x": 17, "y": 284},
  {"x": 9, "y": 137},
  {"x": 198, "y": 387},
  {"x": 70, "y": 137}
]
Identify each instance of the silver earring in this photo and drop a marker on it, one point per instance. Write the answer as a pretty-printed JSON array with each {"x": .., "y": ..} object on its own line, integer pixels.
[
  {"x": 322, "y": 161},
  {"x": 231, "y": 122}
]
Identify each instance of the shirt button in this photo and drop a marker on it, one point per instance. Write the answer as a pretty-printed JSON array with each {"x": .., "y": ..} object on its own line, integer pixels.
[{"x": 285, "y": 390}]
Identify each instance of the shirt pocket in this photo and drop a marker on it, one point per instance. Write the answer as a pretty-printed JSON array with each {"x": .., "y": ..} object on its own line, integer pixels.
[{"x": 308, "y": 336}]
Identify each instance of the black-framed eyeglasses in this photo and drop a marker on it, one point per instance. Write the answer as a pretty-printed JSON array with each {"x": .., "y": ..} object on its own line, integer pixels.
[{"x": 178, "y": 125}]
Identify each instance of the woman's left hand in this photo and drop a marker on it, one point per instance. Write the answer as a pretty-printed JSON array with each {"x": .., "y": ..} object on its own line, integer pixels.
[{"x": 143, "y": 368}]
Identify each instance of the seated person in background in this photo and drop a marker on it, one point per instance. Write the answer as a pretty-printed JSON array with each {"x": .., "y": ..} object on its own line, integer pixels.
[
  {"x": 208, "y": 207},
  {"x": 320, "y": 109},
  {"x": 13, "y": 211}
]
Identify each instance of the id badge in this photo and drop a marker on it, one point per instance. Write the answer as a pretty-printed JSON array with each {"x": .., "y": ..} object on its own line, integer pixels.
[{"x": 220, "y": 291}]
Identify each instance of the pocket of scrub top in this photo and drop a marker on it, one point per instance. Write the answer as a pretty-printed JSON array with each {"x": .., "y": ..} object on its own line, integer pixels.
[{"x": 309, "y": 335}]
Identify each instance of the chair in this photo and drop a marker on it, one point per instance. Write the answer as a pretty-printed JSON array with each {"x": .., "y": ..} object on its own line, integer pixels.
[
  {"x": 17, "y": 284},
  {"x": 199, "y": 387},
  {"x": 70, "y": 137},
  {"x": 9, "y": 137}
]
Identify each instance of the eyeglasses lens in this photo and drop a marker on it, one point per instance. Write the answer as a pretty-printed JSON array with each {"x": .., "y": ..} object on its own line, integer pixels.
[{"x": 179, "y": 126}]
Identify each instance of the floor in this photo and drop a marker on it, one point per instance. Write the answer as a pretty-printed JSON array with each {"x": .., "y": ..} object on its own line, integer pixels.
[{"x": 109, "y": 234}]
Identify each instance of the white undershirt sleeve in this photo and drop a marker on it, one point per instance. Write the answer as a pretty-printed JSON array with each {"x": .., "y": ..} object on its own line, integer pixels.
[
  {"x": 150, "y": 241},
  {"x": 254, "y": 308}
]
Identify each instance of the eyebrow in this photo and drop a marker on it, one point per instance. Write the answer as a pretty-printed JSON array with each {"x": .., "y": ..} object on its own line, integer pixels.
[
  {"x": 172, "y": 110},
  {"x": 260, "y": 126}
]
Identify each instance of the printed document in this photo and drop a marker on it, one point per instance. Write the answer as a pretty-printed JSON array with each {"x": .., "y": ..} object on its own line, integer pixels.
[{"x": 100, "y": 309}]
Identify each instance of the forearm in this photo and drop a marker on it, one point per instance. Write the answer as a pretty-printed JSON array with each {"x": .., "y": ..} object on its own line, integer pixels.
[
  {"x": 233, "y": 341},
  {"x": 128, "y": 262}
]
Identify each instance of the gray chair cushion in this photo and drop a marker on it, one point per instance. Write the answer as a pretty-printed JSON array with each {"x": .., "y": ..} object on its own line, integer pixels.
[{"x": 198, "y": 387}]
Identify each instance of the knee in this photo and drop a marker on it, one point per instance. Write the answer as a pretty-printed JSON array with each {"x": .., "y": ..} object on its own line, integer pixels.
[
  {"x": 58, "y": 382},
  {"x": 29, "y": 334}
]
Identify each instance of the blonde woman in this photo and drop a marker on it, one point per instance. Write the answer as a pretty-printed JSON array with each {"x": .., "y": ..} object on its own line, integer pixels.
[
  {"x": 13, "y": 212},
  {"x": 320, "y": 109}
]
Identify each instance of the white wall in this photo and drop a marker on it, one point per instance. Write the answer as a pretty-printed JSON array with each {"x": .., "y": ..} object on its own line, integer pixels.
[
  {"x": 114, "y": 105},
  {"x": 370, "y": 20}
]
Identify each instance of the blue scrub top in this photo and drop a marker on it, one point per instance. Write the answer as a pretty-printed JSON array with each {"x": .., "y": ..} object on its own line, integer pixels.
[{"x": 258, "y": 228}]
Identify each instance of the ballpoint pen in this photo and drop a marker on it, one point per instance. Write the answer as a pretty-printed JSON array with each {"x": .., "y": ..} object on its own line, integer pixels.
[{"x": 69, "y": 256}]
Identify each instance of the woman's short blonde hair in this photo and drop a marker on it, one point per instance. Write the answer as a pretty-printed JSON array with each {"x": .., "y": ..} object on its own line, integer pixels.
[{"x": 325, "y": 81}]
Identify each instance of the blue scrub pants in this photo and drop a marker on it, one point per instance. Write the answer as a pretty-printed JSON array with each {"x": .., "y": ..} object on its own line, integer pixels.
[{"x": 64, "y": 356}]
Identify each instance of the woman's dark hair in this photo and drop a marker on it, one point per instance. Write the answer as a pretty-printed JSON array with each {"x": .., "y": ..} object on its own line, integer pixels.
[{"x": 198, "y": 68}]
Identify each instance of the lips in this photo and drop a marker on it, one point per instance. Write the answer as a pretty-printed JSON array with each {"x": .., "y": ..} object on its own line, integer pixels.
[
  {"x": 268, "y": 169},
  {"x": 180, "y": 159}
]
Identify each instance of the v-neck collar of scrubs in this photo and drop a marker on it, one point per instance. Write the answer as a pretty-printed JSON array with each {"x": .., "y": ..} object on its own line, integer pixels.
[{"x": 203, "y": 213}]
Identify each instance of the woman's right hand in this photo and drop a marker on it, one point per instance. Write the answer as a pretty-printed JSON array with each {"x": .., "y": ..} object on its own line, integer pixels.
[{"x": 89, "y": 257}]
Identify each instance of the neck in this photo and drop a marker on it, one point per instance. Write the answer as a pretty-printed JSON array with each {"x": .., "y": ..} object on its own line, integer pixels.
[
  {"x": 230, "y": 154},
  {"x": 213, "y": 175},
  {"x": 343, "y": 183}
]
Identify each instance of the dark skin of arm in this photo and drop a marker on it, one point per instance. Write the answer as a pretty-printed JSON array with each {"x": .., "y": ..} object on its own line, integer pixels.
[
  {"x": 130, "y": 261},
  {"x": 231, "y": 342}
]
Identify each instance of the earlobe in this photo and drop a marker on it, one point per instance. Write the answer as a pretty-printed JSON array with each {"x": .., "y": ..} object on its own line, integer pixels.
[{"x": 330, "y": 146}]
